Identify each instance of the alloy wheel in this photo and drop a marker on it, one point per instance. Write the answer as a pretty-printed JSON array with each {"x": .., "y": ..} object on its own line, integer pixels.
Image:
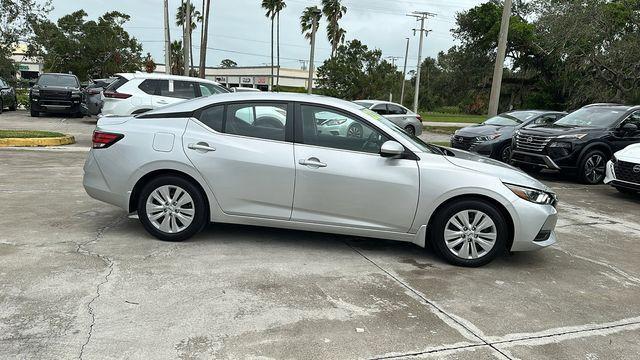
[
  {"x": 594, "y": 168},
  {"x": 470, "y": 234},
  {"x": 410, "y": 130},
  {"x": 505, "y": 155},
  {"x": 354, "y": 131},
  {"x": 170, "y": 209}
]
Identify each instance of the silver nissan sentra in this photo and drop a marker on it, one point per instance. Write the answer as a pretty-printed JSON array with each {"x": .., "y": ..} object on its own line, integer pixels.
[{"x": 264, "y": 159}]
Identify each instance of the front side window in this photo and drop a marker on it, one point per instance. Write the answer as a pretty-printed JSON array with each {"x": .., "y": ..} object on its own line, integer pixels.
[
  {"x": 264, "y": 121},
  {"x": 634, "y": 118},
  {"x": 546, "y": 120},
  {"x": 327, "y": 128}
]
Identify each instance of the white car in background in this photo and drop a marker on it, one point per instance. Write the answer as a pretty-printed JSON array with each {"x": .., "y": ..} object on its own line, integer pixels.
[
  {"x": 136, "y": 93},
  {"x": 623, "y": 170},
  {"x": 398, "y": 114}
]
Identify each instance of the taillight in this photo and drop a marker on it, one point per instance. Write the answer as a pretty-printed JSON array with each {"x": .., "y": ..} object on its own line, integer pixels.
[
  {"x": 419, "y": 117},
  {"x": 103, "y": 139},
  {"x": 93, "y": 91},
  {"x": 116, "y": 95}
]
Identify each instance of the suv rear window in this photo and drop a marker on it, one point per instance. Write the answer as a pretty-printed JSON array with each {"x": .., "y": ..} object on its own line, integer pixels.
[{"x": 117, "y": 83}]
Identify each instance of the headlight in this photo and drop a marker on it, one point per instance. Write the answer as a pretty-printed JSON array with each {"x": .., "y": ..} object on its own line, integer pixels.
[
  {"x": 533, "y": 195},
  {"x": 335, "y": 122},
  {"x": 488, "y": 137},
  {"x": 560, "y": 144},
  {"x": 76, "y": 94},
  {"x": 572, "y": 136}
]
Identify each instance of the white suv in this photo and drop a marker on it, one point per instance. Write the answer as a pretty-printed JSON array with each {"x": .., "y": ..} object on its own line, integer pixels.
[{"x": 135, "y": 93}]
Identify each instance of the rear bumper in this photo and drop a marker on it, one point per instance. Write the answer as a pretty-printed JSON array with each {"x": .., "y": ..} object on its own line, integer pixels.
[{"x": 97, "y": 187}]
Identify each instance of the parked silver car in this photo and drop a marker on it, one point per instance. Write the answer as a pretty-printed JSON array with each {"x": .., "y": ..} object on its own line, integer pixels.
[
  {"x": 225, "y": 159},
  {"x": 398, "y": 114}
]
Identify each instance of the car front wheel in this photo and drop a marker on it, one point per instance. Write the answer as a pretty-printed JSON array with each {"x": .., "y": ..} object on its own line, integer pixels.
[
  {"x": 592, "y": 168},
  {"x": 172, "y": 208},
  {"x": 469, "y": 233}
]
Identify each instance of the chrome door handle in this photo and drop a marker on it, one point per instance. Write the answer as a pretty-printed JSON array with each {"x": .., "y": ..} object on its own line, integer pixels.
[
  {"x": 312, "y": 162},
  {"x": 202, "y": 146}
]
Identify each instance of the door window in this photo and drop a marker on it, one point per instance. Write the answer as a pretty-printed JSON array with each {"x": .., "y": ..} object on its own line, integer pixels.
[
  {"x": 150, "y": 86},
  {"x": 634, "y": 118},
  {"x": 396, "y": 110},
  {"x": 176, "y": 89},
  {"x": 213, "y": 117},
  {"x": 380, "y": 109},
  {"x": 257, "y": 120},
  {"x": 332, "y": 129}
]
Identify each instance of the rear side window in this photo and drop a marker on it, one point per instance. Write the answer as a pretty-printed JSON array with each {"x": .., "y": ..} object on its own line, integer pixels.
[
  {"x": 380, "y": 109},
  {"x": 117, "y": 83},
  {"x": 213, "y": 117},
  {"x": 396, "y": 110},
  {"x": 177, "y": 89},
  {"x": 264, "y": 121},
  {"x": 150, "y": 86}
]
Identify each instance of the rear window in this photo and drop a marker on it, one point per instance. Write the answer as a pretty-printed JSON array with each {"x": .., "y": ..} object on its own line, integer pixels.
[
  {"x": 58, "y": 80},
  {"x": 117, "y": 83}
]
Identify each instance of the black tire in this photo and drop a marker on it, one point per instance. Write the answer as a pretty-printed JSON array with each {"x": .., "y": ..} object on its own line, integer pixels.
[
  {"x": 410, "y": 130},
  {"x": 626, "y": 191},
  {"x": 34, "y": 113},
  {"x": 592, "y": 167},
  {"x": 355, "y": 131},
  {"x": 15, "y": 105},
  {"x": 504, "y": 153},
  {"x": 200, "y": 216},
  {"x": 441, "y": 220}
]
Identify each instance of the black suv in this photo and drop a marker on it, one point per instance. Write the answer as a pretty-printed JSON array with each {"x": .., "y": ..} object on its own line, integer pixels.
[
  {"x": 56, "y": 93},
  {"x": 580, "y": 143}
]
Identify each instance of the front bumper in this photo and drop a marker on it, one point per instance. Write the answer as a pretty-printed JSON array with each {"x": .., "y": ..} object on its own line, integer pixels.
[
  {"x": 56, "y": 105},
  {"x": 612, "y": 180},
  {"x": 520, "y": 157},
  {"x": 535, "y": 228}
]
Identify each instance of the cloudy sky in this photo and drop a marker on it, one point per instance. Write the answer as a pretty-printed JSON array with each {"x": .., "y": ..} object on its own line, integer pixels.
[{"x": 240, "y": 31}]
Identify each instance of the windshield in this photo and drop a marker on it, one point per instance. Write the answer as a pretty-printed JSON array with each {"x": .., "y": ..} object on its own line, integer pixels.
[
  {"x": 523, "y": 115},
  {"x": 58, "y": 80},
  {"x": 423, "y": 146},
  {"x": 594, "y": 117},
  {"x": 503, "y": 120}
]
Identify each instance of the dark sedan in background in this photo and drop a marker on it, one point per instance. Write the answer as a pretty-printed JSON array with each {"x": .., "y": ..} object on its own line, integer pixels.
[
  {"x": 492, "y": 138},
  {"x": 7, "y": 96},
  {"x": 93, "y": 93}
]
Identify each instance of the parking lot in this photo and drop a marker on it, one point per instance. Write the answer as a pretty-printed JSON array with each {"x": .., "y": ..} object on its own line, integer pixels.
[{"x": 78, "y": 278}]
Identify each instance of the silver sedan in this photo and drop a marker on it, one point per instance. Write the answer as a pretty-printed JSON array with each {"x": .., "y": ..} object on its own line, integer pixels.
[
  {"x": 264, "y": 159},
  {"x": 398, "y": 114}
]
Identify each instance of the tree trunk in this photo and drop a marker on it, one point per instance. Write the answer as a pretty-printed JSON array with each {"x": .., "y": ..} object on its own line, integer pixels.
[
  {"x": 278, "y": 47},
  {"x": 203, "y": 44}
]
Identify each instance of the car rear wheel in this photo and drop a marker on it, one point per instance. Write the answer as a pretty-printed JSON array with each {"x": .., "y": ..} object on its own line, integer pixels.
[
  {"x": 14, "y": 106},
  {"x": 469, "y": 233},
  {"x": 592, "y": 168},
  {"x": 355, "y": 131},
  {"x": 172, "y": 208},
  {"x": 410, "y": 130},
  {"x": 504, "y": 154}
]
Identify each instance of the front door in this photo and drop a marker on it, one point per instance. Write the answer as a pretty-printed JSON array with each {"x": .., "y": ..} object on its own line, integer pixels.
[
  {"x": 622, "y": 138},
  {"x": 342, "y": 180},
  {"x": 245, "y": 157}
]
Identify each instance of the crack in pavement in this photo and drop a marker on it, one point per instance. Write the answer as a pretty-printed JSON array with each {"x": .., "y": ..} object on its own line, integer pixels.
[
  {"x": 81, "y": 250},
  {"x": 452, "y": 318},
  {"x": 618, "y": 271}
]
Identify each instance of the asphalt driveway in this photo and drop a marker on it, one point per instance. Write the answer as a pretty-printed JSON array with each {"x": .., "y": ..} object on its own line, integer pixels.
[{"x": 78, "y": 279}]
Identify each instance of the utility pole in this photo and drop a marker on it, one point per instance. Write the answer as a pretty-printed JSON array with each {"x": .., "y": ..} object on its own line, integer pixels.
[
  {"x": 422, "y": 16},
  {"x": 167, "y": 39},
  {"x": 186, "y": 37},
  {"x": 496, "y": 84},
  {"x": 206, "y": 4},
  {"x": 404, "y": 72},
  {"x": 314, "y": 28}
]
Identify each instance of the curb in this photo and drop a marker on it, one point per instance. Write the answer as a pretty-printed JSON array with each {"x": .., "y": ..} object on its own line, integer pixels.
[{"x": 52, "y": 141}]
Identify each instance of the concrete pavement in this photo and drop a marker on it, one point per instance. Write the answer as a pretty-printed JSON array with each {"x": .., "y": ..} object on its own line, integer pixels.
[{"x": 78, "y": 279}]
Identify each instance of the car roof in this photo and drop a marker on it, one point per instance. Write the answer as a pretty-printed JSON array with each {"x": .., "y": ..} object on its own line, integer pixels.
[
  {"x": 197, "y": 103},
  {"x": 145, "y": 75},
  {"x": 613, "y": 106},
  {"x": 52, "y": 73}
]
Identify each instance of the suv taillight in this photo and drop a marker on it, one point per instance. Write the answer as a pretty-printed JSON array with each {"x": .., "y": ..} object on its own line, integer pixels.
[
  {"x": 116, "y": 95},
  {"x": 103, "y": 139}
]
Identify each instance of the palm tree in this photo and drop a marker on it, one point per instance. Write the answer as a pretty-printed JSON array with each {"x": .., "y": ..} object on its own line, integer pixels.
[
  {"x": 306, "y": 20},
  {"x": 177, "y": 59},
  {"x": 334, "y": 11},
  {"x": 272, "y": 11},
  {"x": 206, "y": 8},
  {"x": 180, "y": 21}
]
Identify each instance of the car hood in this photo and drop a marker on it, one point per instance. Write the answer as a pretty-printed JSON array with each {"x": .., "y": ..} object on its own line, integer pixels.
[
  {"x": 552, "y": 129},
  {"x": 630, "y": 154},
  {"x": 506, "y": 173},
  {"x": 481, "y": 129}
]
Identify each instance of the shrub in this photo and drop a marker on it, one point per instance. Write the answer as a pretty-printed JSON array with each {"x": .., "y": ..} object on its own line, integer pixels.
[{"x": 23, "y": 98}]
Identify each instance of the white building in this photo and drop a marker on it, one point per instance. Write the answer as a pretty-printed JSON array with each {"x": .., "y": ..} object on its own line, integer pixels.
[
  {"x": 28, "y": 67},
  {"x": 258, "y": 77}
]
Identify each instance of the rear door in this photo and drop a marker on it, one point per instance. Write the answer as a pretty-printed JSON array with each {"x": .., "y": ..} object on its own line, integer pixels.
[
  {"x": 245, "y": 153},
  {"x": 342, "y": 180}
]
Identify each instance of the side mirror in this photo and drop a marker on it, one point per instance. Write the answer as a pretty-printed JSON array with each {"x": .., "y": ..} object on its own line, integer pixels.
[
  {"x": 629, "y": 128},
  {"x": 391, "y": 149}
]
